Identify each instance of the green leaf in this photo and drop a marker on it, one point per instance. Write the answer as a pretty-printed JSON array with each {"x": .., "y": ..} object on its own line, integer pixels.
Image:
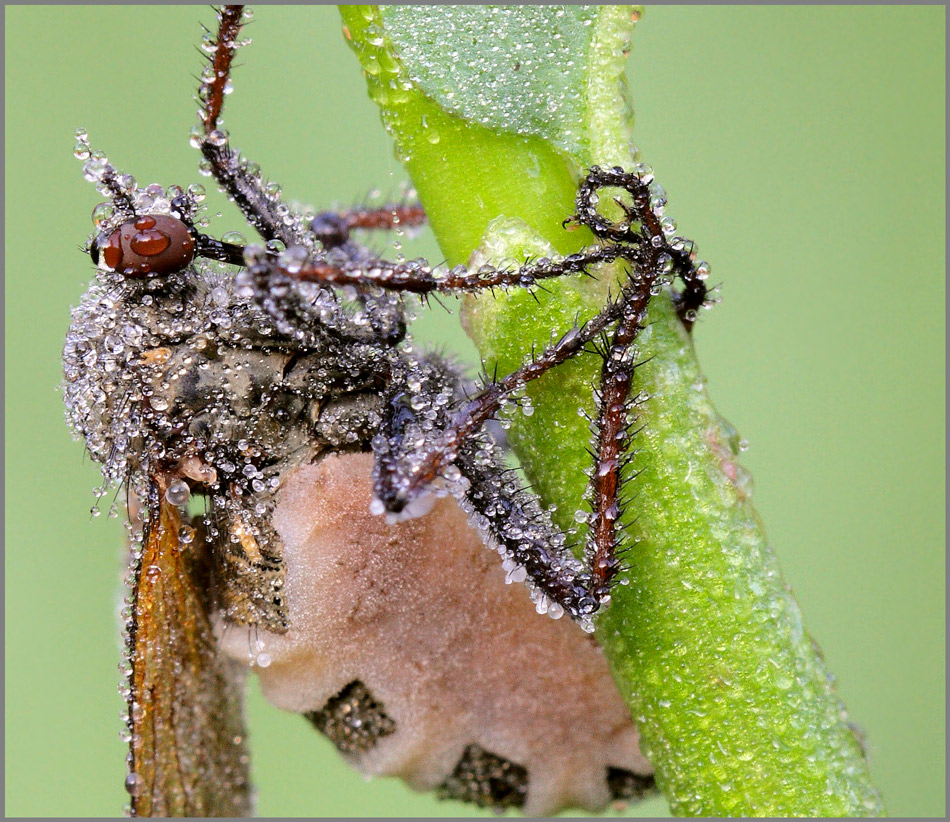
[{"x": 707, "y": 645}]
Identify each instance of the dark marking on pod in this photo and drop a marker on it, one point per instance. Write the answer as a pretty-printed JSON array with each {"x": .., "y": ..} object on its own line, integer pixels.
[
  {"x": 353, "y": 720},
  {"x": 624, "y": 784},
  {"x": 486, "y": 780}
]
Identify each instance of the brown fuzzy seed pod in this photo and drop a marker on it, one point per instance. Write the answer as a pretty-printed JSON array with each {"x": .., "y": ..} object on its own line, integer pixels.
[{"x": 410, "y": 652}]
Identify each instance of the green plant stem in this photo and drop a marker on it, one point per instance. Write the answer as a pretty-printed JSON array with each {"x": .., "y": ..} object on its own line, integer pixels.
[{"x": 706, "y": 642}]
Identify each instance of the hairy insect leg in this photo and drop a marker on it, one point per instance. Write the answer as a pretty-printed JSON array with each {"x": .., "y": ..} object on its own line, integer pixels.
[
  {"x": 408, "y": 450},
  {"x": 261, "y": 205},
  {"x": 259, "y": 202},
  {"x": 692, "y": 273},
  {"x": 414, "y": 470},
  {"x": 647, "y": 209},
  {"x": 612, "y": 436},
  {"x": 509, "y": 517},
  {"x": 642, "y": 243},
  {"x": 419, "y": 277},
  {"x": 513, "y": 521}
]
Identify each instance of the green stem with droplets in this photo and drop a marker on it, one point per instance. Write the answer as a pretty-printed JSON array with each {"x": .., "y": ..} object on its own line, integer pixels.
[{"x": 705, "y": 640}]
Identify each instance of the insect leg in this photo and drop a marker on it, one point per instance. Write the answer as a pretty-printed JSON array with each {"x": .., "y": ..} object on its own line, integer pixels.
[
  {"x": 262, "y": 207},
  {"x": 418, "y": 277},
  {"x": 648, "y": 204},
  {"x": 651, "y": 261},
  {"x": 418, "y": 465},
  {"x": 692, "y": 273},
  {"x": 212, "y": 249},
  {"x": 212, "y": 91},
  {"x": 518, "y": 526},
  {"x": 259, "y": 202},
  {"x": 612, "y": 437}
]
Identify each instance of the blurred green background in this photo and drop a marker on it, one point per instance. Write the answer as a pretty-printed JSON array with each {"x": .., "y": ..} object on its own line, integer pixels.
[{"x": 802, "y": 148}]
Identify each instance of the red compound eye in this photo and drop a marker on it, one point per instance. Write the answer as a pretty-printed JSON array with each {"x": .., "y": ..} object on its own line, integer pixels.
[{"x": 150, "y": 245}]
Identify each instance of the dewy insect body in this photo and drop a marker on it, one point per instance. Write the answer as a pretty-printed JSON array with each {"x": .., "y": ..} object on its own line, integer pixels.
[{"x": 243, "y": 377}]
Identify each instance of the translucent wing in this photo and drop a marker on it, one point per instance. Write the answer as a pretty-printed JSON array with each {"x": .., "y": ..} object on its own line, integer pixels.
[{"x": 187, "y": 753}]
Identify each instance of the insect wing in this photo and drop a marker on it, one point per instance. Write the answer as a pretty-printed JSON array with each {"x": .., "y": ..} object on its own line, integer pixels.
[{"x": 187, "y": 752}]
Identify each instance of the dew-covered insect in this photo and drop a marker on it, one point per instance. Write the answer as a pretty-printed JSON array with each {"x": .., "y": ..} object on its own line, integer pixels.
[{"x": 264, "y": 407}]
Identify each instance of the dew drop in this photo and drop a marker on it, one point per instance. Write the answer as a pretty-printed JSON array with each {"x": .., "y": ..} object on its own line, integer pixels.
[
  {"x": 102, "y": 213},
  {"x": 178, "y": 493},
  {"x": 234, "y": 237},
  {"x": 135, "y": 784}
]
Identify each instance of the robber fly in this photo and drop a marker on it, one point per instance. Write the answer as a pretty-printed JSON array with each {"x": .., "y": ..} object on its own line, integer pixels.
[{"x": 264, "y": 407}]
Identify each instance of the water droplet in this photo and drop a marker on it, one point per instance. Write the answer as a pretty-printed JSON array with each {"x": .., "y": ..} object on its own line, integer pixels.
[
  {"x": 178, "y": 493},
  {"x": 102, "y": 213},
  {"x": 135, "y": 784},
  {"x": 234, "y": 237}
]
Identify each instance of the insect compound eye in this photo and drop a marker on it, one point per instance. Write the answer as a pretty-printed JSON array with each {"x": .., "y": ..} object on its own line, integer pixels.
[{"x": 150, "y": 245}]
